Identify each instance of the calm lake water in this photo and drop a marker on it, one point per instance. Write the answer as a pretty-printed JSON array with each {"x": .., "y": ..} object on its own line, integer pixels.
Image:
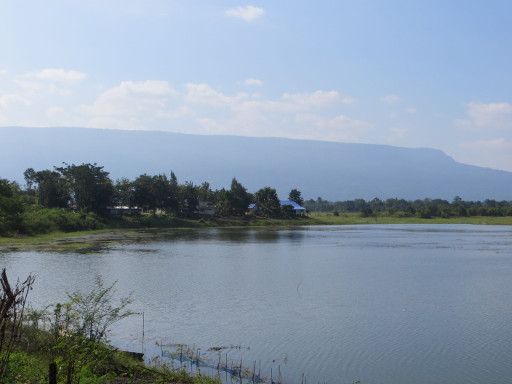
[{"x": 381, "y": 304}]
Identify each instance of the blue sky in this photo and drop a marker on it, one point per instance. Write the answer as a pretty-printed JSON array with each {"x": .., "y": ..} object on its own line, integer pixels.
[{"x": 407, "y": 73}]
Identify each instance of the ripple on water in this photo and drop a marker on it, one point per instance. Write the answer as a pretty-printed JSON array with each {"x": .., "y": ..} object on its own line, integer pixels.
[{"x": 384, "y": 304}]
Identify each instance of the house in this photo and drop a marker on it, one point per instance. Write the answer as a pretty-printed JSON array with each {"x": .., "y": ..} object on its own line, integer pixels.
[
  {"x": 205, "y": 208},
  {"x": 297, "y": 208},
  {"x": 123, "y": 209}
]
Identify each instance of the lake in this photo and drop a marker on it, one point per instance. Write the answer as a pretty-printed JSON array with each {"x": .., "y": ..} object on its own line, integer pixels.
[{"x": 385, "y": 304}]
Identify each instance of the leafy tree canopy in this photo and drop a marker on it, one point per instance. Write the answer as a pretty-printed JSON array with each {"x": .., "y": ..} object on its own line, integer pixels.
[
  {"x": 267, "y": 202},
  {"x": 91, "y": 189},
  {"x": 296, "y": 196}
]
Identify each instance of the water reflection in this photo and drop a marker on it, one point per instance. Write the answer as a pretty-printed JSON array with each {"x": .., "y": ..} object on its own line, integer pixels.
[{"x": 240, "y": 235}]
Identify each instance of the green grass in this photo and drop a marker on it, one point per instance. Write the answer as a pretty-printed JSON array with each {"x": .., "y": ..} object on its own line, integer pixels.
[
  {"x": 33, "y": 352},
  {"x": 354, "y": 218},
  {"x": 47, "y": 238},
  {"x": 31, "y": 367}
]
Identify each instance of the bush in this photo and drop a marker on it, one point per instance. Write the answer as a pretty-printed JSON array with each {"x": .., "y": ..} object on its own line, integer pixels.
[
  {"x": 366, "y": 212},
  {"x": 45, "y": 220},
  {"x": 25, "y": 368},
  {"x": 11, "y": 207},
  {"x": 287, "y": 212}
]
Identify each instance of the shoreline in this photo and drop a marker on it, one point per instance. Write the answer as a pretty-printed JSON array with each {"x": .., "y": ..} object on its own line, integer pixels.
[{"x": 93, "y": 240}]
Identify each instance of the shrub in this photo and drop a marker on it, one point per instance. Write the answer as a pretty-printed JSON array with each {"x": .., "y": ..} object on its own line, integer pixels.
[
  {"x": 45, "y": 220},
  {"x": 25, "y": 368}
]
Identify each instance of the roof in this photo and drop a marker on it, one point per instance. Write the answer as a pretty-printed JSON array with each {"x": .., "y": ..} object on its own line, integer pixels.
[
  {"x": 125, "y": 207},
  {"x": 293, "y": 204}
]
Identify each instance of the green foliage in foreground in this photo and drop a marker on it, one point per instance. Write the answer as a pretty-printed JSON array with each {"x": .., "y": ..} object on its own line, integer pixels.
[
  {"x": 25, "y": 368},
  {"x": 73, "y": 337},
  {"x": 29, "y": 367}
]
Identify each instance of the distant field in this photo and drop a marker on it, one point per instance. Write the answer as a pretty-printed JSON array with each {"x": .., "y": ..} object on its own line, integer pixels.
[{"x": 355, "y": 218}]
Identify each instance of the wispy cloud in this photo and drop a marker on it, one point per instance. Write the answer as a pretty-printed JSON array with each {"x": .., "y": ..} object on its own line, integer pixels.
[
  {"x": 391, "y": 99},
  {"x": 62, "y": 98},
  {"x": 247, "y": 13},
  {"x": 27, "y": 97},
  {"x": 55, "y": 81},
  {"x": 314, "y": 115},
  {"x": 318, "y": 98},
  {"x": 487, "y": 115},
  {"x": 12, "y": 99},
  {"x": 396, "y": 135},
  {"x": 495, "y": 153},
  {"x": 131, "y": 104},
  {"x": 253, "y": 82},
  {"x": 59, "y": 75}
]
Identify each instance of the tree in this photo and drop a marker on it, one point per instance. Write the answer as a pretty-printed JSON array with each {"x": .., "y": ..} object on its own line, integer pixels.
[
  {"x": 173, "y": 205},
  {"x": 13, "y": 299},
  {"x": 288, "y": 212},
  {"x": 91, "y": 188},
  {"x": 296, "y": 196},
  {"x": 157, "y": 192},
  {"x": 95, "y": 311},
  {"x": 239, "y": 198},
  {"x": 205, "y": 193},
  {"x": 29, "y": 176},
  {"x": 223, "y": 202},
  {"x": 11, "y": 207},
  {"x": 459, "y": 208},
  {"x": 143, "y": 192},
  {"x": 52, "y": 189},
  {"x": 79, "y": 328},
  {"x": 188, "y": 199},
  {"x": 233, "y": 201},
  {"x": 366, "y": 211},
  {"x": 164, "y": 194},
  {"x": 267, "y": 202},
  {"x": 124, "y": 193}
]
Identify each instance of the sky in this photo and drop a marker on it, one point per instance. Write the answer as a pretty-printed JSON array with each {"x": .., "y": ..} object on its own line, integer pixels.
[{"x": 399, "y": 72}]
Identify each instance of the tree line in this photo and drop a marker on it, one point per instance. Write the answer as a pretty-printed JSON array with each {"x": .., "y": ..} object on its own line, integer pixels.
[
  {"x": 88, "y": 191},
  {"x": 423, "y": 208}
]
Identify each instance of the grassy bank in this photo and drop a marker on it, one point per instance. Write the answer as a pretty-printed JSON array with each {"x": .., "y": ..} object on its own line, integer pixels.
[
  {"x": 147, "y": 228},
  {"x": 116, "y": 232},
  {"x": 28, "y": 366}
]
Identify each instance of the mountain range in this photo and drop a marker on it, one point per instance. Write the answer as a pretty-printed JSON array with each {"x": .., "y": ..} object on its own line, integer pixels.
[{"x": 331, "y": 170}]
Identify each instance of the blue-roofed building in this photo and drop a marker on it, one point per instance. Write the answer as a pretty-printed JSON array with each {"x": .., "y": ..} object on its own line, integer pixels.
[{"x": 297, "y": 208}]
